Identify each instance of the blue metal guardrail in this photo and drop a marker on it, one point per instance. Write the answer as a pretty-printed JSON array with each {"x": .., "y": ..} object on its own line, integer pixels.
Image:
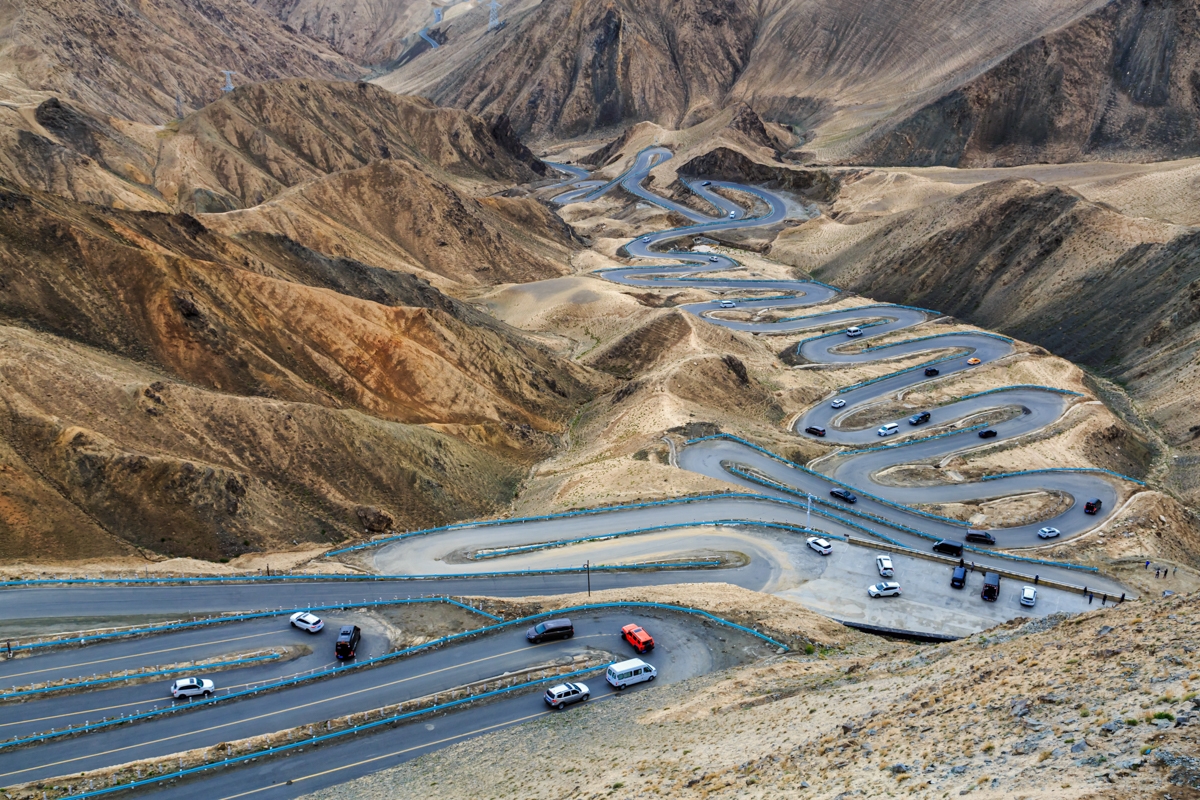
[
  {"x": 176, "y": 626},
  {"x": 1095, "y": 470},
  {"x": 338, "y": 578},
  {"x": 315, "y": 740},
  {"x": 239, "y": 662},
  {"x": 898, "y": 526},
  {"x": 343, "y": 668},
  {"x": 985, "y": 334},
  {"x": 854, "y": 309}
]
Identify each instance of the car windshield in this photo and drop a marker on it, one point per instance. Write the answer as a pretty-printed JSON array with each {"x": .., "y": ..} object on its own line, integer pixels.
[{"x": 540, "y": 627}]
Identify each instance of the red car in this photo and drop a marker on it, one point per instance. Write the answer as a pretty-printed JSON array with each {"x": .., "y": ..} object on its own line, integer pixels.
[{"x": 636, "y": 636}]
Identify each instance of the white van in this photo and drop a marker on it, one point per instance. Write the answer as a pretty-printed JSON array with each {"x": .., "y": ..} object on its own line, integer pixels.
[
  {"x": 630, "y": 672},
  {"x": 889, "y": 429},
  {"x": 852, "y": 332}
]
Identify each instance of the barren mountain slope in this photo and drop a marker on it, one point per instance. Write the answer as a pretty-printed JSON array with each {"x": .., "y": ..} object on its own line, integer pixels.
[
  {"x": 1118, "y": 294},
  {"x": 393, "y": 214},
  {"x": 368, "y": 31},
  {"x": 1120, "y": 84},
  {"x": 255, "y": 333},
  {"x": 562, "y": 69},
  {"x": 132, "y": 59}
]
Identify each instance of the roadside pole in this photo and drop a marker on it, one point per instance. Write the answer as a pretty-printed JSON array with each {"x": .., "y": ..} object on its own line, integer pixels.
[{"x": 587, "y": 567}]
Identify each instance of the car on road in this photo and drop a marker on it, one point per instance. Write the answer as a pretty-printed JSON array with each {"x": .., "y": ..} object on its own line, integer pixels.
[
  {"x": 820, "y": 545},
  {"x": 889, "y": 429},
  {"x": 636, "y": 635},
  {"x": 1048, "y": 533},
  {"x": 728, "y": 304},
  {"x": 991, "y": 587},
  {"x": 949, "y": 547},
  {"x": 1028, "y": 596},
  {"x": 707, "y": 183},
  {"x": 1092, "y": 506},
  {"x": 919, "y": 419},
  {"x": 192, "y": 687},
  {"x": 884, "y": 565},
  {"x": 959, "y": 578},
  {"x": 713, "y": 259},
  {"x": 839, "y": 403},
  {"x": 980, "y": 537},
  {"x": 347, "y": 642},
  {"x": 931, "y": 371},
  {"x": 732, "y": 214},
  {"x": 974, "y": 362},
  {"x": 630, "y": 672},
  {"x": 988, "y": 434},
  {"x": 566, "y": 694},
  {"x": 815, "y": 430},
  {"x": 885, "y": 589},
  {"x": 307, "y": 622},
  {"x": 844, "y": 495},
  {"x": 645, "y": 239},
  {"x": 550, "y": 629},
  {"x": 853, "y": 331}
]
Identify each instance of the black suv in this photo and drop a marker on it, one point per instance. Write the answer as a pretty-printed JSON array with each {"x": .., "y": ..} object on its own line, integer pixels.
[
  {"x": 988, "y": 434},
  {"x": 931, "y": 371},
  {"x": 815, "y": 430},
  {"x": 843, "y": 495},
  {"x": 347, "y": 642},
  {"x": 981, "y": 537},
  {"x": 959, "y": 579},
  {"x": 917, "y": 419},
  {"x": 550, "y": 629},
  {"x": 1092, "y": 506}
]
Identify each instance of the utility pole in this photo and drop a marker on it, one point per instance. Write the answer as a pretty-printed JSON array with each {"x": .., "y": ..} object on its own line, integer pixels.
[
  {"x": 228, "y": 73},
  {"x": 587, "y": 566},
  {"x": 494, "y": 16}
]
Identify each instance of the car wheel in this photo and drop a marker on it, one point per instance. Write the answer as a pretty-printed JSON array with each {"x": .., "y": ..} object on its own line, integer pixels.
[
  {"x": 569, "y": 635},
  {"x": 621, "y": 688},
  {"x": 584, "y": 699},
  {"x": 207, "y": 694},
  {"x": 652, "y": 677},
  {"x": 560, "y": 706}
]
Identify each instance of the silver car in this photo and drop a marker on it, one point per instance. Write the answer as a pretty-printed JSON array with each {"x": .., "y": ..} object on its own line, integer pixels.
[
  {"x": 884, "y": 565},
  {"x": 565, "y": 694},
  {"x": 885, "y": 589},
  {"x": 1048, "y": 533},
  {"x": 192, "y": 687},
  {"x": 1028, "y": 596}
]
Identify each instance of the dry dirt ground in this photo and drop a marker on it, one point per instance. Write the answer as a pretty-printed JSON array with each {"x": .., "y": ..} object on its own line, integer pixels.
[{"x": 1084, "y": 707}]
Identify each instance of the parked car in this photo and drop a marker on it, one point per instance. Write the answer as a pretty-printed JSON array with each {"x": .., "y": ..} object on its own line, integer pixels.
[
  {"x": 889, "y": 429},
  {"x": 987, "y": 434},
  {"x": 959, "y": 579},
  {"x": 949, "y": 547},
  {"x": 931, "y": 371},
  {"x": 307, "y": 622},
  {"x": 566, "y": 694},
  {"x": 991, "y": 587},
  {"x": 728, "y": 304},
  {"x": 192, "y": 687},
  {"x": 853, "y": 331},
  {"x": 636, "y": 635},
  {"x": 815, "y": 430},
  {"x": 844, "y": 495},
  {"x": 974, "y": 362},
  {"x": 630, "y": 672},
  {"x": 550, "y": 629},
  {"x": 884, "y": 565},
  {"x": 886, "y": 589},
  {"x": 347, "y": 642},
  {"x": 839, "y": 403},
  {"x": 1092, "y": 506},
  {"x": 919, "y": 419},
  {"x": 980, "y": 537},
  {"x": 820, "y": 545},
  {"x": 1048, "y": 533},
  {"x": 1028, "y": 596}
]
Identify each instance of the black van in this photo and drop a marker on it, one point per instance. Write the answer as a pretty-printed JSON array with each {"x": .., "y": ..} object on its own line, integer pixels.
[
  {"x": 991, "y": 587},
  {"x": 550, "y": 629},
  {"x": 980, "y": 537},
  {"x": 347, "y": 641},
  {"x": 1092, "y": 506},
  {"x": 948, "y": 547}
]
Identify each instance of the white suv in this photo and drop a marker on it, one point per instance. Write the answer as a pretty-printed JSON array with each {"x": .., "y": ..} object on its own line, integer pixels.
[
  {"x": 884, "y": 565},
  {"x": 192, "y": 687},
  {"x": 820, "y": 545}
]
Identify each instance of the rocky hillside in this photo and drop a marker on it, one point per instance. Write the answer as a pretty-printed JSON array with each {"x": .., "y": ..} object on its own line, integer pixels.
[
  {"x": 1118, "y": 294},
  {"x": 1101, "y": 705},
  {"x": 133, "y": 59},
  {"x": 186, "y": 392},
  {"x": 1122, "y": 83}
]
